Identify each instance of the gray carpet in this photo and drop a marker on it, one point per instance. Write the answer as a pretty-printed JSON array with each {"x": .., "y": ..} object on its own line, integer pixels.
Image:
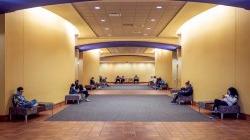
[
  {"x": 129, "y": 108},
  {"x": 127, "y": 87}
]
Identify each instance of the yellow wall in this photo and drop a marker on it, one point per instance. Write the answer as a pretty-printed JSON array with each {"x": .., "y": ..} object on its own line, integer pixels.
[
  {"x": 39, "y": 55},
  {"x": 215, "y": 53},
  {"x": 91, "y": 62},
  {"x": 128, "y": 70},
  {"x": 163, "y": 65}
]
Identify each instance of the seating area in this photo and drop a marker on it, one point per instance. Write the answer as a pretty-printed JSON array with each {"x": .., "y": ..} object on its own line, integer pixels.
[
  {"x": 42, "y": 106},
  {"x": 124, "y": 69}
]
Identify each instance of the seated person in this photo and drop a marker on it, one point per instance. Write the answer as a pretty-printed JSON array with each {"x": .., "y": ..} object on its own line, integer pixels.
[
  {"x": 73, "y": 89},
  {"x": 20, "y": 101},
  {"x": 76, "y": 84},
  {"x": 122, "y": 80},
  {"x": 186, "y": 91},
  {"x": 100, "y": 79},
  {"x": 104, "y": 81},
  {"x": 229, "y": 99},
  {"x": 93, "y": 83},
  {"x": 84, "y": 91},
  {"x": 117, "y": 79},
  {"x": 136, "y": 79},
  {"x": 150, "y": 82},
  {"x": 160, "y": 83}
]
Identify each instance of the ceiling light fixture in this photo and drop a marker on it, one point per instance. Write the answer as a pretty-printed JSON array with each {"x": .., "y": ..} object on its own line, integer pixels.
[
  {"x": 145, "y": 34},
  {"x": 106, "y": 28},
  {"x": 97, "y": 7},
  {"x": 103, "y": 20},
  {"x": 153, "y": 20},
  {"x": 158, "y": 7},
  {"x": 148, "y": 28}
]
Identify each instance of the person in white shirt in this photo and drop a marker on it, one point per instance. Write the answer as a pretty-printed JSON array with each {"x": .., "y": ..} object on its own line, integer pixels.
[{"x": 229, "y": 99}]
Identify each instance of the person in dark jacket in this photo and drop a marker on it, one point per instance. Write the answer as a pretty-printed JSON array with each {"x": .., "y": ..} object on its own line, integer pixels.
[
  {"x": 84, "y": 91},
  {"x": 77, "y": 84},
  {"x": 186, "y": 91}
]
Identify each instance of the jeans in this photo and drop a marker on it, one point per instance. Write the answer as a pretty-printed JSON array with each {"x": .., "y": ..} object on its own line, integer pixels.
[
  {"x": 30, "y": 104},
  {"x": 218, "y": 103}
]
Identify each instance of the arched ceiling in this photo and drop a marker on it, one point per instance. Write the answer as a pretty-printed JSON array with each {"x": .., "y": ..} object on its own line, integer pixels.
[{"x": 12, "y": 5}]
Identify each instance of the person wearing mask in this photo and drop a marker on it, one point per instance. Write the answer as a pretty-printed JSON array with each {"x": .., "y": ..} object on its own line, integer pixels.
[
  {"x": 20, "y": 101},
  {"x": 122, "y": 80},
  {"x": 185, "y": 91}
]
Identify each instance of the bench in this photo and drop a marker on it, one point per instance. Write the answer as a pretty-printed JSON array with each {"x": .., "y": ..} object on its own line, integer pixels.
[
  {"x": 42, "y": 106},
  {"x": 73, "y": 97}
]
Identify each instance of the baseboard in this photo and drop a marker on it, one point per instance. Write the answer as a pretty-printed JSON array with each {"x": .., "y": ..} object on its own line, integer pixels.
[
  {"x": 59, "y": 104},
  {"x": 4, "y": 118}
]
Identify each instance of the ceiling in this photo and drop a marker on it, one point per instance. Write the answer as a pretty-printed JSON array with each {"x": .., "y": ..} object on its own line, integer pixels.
[
  {"x": 121, "y": 19},
  {"x": 127, "y": 51}
]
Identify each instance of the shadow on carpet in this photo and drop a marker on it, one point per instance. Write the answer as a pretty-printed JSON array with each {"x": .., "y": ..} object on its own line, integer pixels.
[
  {"x": 127, "y": 87},
  {"x": 129, "y": 108}
]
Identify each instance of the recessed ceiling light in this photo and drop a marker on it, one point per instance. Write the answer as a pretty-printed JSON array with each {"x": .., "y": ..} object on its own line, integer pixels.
[
  {"x": 148, "y": 28},
  {"x": 103, "y": 20},
  {"x": 158, "y": 7},
  {"x": 145, "y": 34},
  {"x": 97, "y": 7},
  {"x": 106, "y": 28},
  {"x": 153, "y": 20}
]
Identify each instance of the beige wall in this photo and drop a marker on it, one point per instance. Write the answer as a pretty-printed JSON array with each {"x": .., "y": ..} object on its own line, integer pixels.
[
  {"x": 39, "y": 55},
  {"x": 91, "y": 62},
  {"x": 128, "y": 70},
  {"x": 163, "y": 65},
  {"x": 215, "y": 53}
]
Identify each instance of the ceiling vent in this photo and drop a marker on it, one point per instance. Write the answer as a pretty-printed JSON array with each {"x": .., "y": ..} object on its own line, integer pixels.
[
  {"x": 115, "y": 14},
  {"x": 128, "y": 24}
]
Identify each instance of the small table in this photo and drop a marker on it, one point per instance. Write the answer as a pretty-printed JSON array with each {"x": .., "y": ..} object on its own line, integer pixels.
[
  {"x": 205, "y": 104},
  {"x": 44, "y": 106}
]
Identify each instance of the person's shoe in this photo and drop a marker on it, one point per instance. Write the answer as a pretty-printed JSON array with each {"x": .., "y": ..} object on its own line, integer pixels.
[
  {"x": 87, "y": 100},
  {"x": 173, "y": 101}
]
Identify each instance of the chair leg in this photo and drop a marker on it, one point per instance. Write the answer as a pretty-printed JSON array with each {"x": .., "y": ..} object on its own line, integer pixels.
[
  {"x": 237, "y": 115},
  {"x": 221, "y": 116},
  {"x": 10, "y": 116},
  {"x": 26, "y": 118}
]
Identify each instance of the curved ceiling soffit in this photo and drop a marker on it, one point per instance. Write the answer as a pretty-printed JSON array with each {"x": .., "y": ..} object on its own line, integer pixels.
[
  {"x": 13, "y": 5},
  {"x": 100, "y": 45},
  {"x": 137, "y": 55}
]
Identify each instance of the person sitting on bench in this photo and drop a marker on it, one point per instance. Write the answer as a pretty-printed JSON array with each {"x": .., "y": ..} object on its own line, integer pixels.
[
  {"x": 73, "y": 89},
  {"x": 122, "y": 80},
  {"x": 117, "y": 79},
  {"x": 229, "y": 99},
  {"x": 136, "y": 79},
  {"x": 93, "y": 83},
  {"x": 186, "y": 91},
  {"x": 20, "y": 101},
  {"x": 84, "y": 91}
]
